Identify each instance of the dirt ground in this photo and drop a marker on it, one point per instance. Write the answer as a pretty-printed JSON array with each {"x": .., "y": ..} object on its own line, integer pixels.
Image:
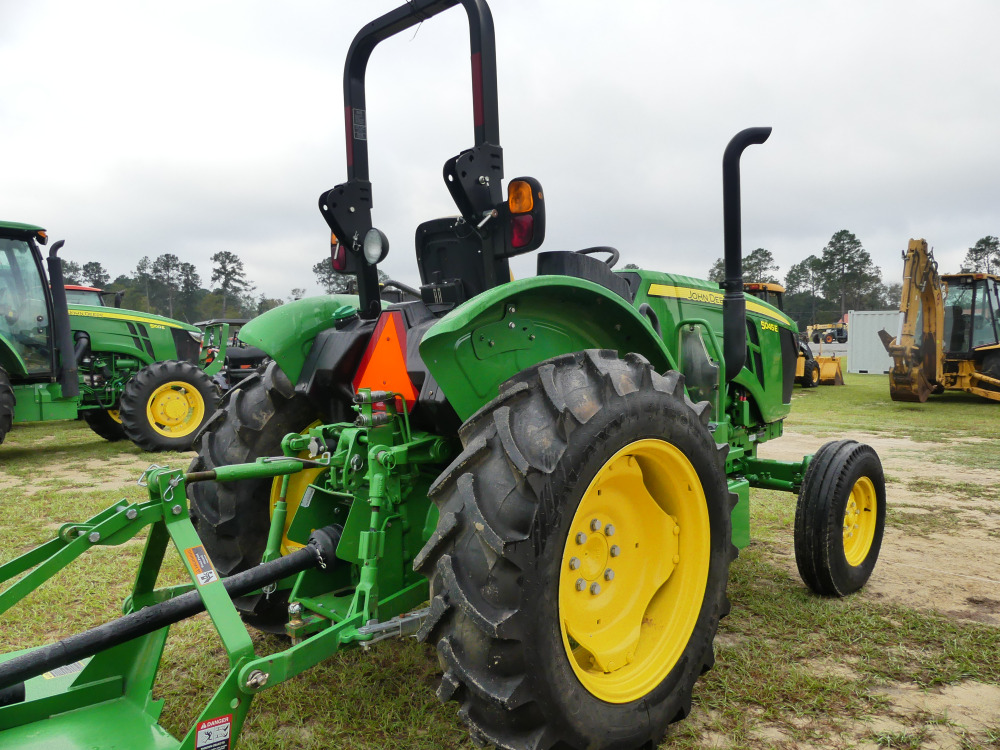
[{"x": 941, "y": 551}]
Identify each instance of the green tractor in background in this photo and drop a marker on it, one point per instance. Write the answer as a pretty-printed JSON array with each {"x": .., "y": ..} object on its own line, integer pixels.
[
  {"x": 128, "y": 374},
  {"x": 547, "y": 479}
]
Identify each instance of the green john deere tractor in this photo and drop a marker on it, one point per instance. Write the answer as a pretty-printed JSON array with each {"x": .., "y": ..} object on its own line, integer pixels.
[
  {"x": 546, "y": 479},
  {"x": 127, "y": 373}
]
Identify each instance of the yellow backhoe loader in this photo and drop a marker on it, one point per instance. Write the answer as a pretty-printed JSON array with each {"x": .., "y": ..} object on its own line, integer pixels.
[
  {"x": 948, "y": 331},
  {"x": 810, "y": 371}
]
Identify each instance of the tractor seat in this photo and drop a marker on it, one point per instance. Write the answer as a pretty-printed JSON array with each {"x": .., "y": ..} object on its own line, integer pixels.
[{"x": 566, "y": 263}]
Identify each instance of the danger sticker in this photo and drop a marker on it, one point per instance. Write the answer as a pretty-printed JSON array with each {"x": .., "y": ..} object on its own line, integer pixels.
[
  {"x": 201, "y": 565},
  {"x": 214, "y": 734}
]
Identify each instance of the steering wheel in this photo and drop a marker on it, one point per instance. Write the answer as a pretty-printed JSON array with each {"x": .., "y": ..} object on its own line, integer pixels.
[{"x": 613, "y": 254}]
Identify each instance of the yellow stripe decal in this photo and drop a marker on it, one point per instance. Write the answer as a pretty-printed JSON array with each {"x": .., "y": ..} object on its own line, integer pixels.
[
  {"x": 122, "y": 316},
  {"x": 712, "y": 298}
]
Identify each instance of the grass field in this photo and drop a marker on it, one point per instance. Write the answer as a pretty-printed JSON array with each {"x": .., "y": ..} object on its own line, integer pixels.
[{"x": 793, "y": 670}]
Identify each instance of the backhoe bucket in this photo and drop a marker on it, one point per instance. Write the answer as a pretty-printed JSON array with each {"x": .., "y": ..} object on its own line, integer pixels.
[{"x": 830, "y": 372}]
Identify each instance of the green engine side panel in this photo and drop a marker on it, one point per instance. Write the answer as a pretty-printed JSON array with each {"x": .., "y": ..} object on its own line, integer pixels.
[
  {"x": 286, "y": 333},
  {"x": 42, "y": 402},
  {"x": 505, "y": 330},
  {"x": 677, "y": 298},
  {"x": 145, "y": 336}
]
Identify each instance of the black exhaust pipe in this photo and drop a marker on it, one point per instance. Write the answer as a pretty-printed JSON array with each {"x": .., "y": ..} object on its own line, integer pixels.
[
  {"x": 82, "y": 348},
  {"x": 67, "y": 368},
  {"x": 734, "y": 309},
  {"x": 320, "y": 552}
]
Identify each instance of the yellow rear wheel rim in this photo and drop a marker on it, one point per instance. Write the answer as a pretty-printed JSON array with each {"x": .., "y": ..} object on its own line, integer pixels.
[
  {"x": 175, "y": 409},
  {"x": 634, "y": 570},
  {"x": 860, "y": 519}
]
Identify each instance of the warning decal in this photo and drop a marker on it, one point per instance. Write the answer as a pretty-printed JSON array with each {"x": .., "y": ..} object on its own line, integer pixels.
[
  {"x": 360, "y": 124},
  {"x": 201, "y": 565},
  {"x": 76, "y": 666},
  {"x": 214, "y": 734}
]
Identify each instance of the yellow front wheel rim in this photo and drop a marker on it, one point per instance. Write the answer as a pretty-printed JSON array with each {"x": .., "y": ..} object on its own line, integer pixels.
[
  {"x": 860, "y": 519},
  {"x": 634, "y": 570},
  {"x": 115, "y": 415},
  {"x": 175, "y": 409}
]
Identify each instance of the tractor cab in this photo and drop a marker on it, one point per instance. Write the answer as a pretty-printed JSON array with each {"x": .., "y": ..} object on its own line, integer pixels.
[
  {"x": 93, "y": 296},
  {"x": 971, "y": 311},
  {"x": 26, "y": 333},
  {"x": 772, "y": 294}
]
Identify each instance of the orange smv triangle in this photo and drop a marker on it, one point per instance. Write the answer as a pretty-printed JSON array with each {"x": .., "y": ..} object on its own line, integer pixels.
[{"x": 383, "y": 366}]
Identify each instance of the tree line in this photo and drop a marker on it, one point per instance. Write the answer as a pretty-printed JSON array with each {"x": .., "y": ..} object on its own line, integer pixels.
[
  {"x": 818, "y": 289},
  {"x": 843, "y": 277},
  {"x": 168, "y": 286}
]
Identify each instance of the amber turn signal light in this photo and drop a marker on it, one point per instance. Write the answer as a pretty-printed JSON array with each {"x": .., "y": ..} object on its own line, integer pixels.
[{"x": 519, "y": 197}]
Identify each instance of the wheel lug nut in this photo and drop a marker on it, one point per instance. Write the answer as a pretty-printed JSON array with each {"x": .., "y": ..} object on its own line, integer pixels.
[
  {"x": 609, "y": 575},
  {"x": 574, "y": 563},
  {"x": 595, "y": 588},
  {"x": 615, "y": 550},
  {"x": 595, "y": 525},
  {"x": 609, "y": 530},
  {"x": 580, "y": 584},
  {"x": 581, "y": 538}
]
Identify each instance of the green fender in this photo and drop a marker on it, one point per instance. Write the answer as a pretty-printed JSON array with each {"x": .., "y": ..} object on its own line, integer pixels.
[
  {"x": 286, "y": 333},
  {"x": 499, "y": 333},
  {"x": 10, "y": 360}
]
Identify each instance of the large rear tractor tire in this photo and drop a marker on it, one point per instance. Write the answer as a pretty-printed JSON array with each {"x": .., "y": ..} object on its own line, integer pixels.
[
  {"x": 165, "y": 404},
  {"x": 578, "y": 571},
  {"x": 104, "y": 423},
  {"x": 7, "y": 402},
  {"x": 233, "y": 518},
  {"x": 840, "y": 518}
]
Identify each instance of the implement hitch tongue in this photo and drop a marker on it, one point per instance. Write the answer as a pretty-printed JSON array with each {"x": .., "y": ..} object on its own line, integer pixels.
[{"x": 67, "y": 694}]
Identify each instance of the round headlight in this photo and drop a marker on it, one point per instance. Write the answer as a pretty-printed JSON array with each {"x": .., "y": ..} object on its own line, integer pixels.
[{"x": 376, "y": 246}]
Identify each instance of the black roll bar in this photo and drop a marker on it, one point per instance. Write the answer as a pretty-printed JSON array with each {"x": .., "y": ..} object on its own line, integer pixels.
[
  {"x": 734, "y": 309},
  {"x": 482, "y": 43},
  {"x": 347, "y": 207}
]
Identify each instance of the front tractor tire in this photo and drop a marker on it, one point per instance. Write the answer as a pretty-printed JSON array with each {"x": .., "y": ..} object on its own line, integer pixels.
[
  {"x": 233, "y": 518},
  {"x": 840, "y": 518},
  {"x": 578, "y": 571},
  {"x": 105, "y": 423},
  {"x": 165, "y": 404}
]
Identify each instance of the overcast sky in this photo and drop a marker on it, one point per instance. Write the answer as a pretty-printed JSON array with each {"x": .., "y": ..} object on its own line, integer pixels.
[{"x": 138, "y": 128}]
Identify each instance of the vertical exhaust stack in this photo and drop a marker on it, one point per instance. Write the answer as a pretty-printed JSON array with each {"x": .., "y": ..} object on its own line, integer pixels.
[
  {"x": 734, "y": 309},
  {"x": 67, "y": 368}
]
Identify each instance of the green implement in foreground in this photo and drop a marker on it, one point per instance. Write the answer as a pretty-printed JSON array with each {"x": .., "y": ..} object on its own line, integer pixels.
[{"x": 350, "y": 581}]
